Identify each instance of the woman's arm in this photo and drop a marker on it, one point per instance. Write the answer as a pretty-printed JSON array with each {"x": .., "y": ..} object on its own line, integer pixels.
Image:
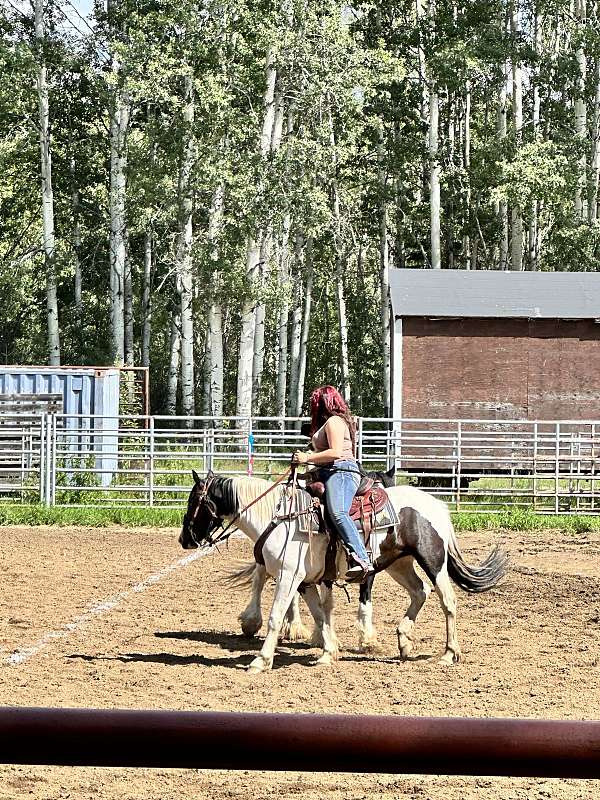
[{"x": 335, "y": 428}]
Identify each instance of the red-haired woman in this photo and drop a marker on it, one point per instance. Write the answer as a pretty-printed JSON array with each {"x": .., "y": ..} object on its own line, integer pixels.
[{"x": 333, "y": 449}]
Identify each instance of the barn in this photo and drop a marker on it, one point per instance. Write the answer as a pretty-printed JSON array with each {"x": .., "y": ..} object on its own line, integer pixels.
[{"x": 495, "y": 345}]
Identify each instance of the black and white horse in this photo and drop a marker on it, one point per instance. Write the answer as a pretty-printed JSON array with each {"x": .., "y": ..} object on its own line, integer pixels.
[
  {"x": 423, "y": 535},
  {"x": 293, "y": 629}
]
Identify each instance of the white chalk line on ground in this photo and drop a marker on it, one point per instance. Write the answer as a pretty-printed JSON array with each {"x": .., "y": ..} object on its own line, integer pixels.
[{"x": 23, "y": 655}]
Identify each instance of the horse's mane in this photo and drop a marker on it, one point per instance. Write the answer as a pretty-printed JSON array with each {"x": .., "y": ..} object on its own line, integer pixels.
[{"x": 248, "y": 489}]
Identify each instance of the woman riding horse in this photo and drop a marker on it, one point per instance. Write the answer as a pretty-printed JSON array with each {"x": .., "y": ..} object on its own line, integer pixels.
[{"x": 333, "y": 449}]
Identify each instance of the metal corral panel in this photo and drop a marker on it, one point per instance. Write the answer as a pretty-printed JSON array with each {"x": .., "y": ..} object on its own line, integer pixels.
[
  {"x": 494, "y": 293},
  {"x": 89, "y": 391}
]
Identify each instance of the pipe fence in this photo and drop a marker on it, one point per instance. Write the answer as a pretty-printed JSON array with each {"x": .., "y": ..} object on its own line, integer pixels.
[
  {"x": 308, "y": 742},
  {"x": 473, "y": 464}
]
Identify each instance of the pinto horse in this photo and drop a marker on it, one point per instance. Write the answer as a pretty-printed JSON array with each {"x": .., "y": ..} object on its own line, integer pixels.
[
  {"x": 423, "y": 535},
  {"x": 293, "y": 629}
]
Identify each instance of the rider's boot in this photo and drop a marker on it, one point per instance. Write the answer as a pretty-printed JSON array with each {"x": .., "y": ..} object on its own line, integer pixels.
[{"x": 359, "y": 569}]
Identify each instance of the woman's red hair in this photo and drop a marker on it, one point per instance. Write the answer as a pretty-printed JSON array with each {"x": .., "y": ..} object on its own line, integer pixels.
[{"x": 327, "y": 402}]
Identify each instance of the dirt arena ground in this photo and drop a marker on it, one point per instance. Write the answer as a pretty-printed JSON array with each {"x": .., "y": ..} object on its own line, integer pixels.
[{"x": 110, "y": 618}]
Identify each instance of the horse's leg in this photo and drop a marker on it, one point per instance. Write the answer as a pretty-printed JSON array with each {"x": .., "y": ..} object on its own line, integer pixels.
[
  {"x": 294, "y": 630},
  {"x": 330, "y": 640},
  {"x": 447, "y": 599},
  {"x": 287, "y": 585},
  {"x": 321, "y": 607},
  {"x": 251, "y": 616},
  {"x": 367, "y": 635},
  {"x": 403, "y": 572}
]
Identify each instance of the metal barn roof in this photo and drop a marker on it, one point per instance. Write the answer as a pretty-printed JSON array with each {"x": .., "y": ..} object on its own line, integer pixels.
[{"x": 488, "y": 293}]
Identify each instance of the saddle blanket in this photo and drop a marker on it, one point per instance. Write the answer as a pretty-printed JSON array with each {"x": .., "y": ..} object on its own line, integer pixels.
[{"x": 377, "y": 509}]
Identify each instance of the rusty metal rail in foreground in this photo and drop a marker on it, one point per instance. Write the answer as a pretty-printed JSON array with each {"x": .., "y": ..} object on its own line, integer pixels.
[{"x": 305, "y": 742}]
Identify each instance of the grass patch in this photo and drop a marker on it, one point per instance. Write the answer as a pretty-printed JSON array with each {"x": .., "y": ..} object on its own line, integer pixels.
[
  {"x": 90, "y": 517},
  {"x": 523, "y": 520},
  {"x": 517, "y": 520}
]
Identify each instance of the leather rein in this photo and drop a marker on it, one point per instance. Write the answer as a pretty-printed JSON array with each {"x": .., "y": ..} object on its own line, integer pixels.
[{"x": 205, "y": 500}]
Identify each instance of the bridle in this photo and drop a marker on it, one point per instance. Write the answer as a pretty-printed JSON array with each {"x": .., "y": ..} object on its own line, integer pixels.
[{"x": 204, "y": 501}]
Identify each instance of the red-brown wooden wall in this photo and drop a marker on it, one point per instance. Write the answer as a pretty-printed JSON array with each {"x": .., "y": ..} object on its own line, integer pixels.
[{"x": 501, "y": 368}]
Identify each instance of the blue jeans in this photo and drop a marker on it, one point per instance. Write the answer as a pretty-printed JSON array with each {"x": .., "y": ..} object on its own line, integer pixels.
[{"x": 341, "y": 487}]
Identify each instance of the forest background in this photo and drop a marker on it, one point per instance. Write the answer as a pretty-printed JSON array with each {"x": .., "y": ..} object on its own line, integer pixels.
[{"x": 218, "y": 189}]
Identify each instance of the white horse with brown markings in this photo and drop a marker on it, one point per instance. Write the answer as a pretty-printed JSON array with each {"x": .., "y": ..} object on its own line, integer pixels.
[
  {"x": 423, "y": 535},
  {"x": 293, "y": 629}
]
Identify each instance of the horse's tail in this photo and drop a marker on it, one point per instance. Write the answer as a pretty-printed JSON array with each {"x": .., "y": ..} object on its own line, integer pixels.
[
  {"x": 242, "y": 576},
  {"x": 479, "y": 578}
]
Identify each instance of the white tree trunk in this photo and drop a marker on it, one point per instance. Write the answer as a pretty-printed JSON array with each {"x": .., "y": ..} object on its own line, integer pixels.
[
  {"x": 581, "y": 113},
  {"x": 128, "y": 309},
  {"x": 206, "y": 375},
  {"x": 76, "y": 239},
  {"x": 48, "y": 241},
  {"x": 296, "y": 327},
  {"x": 119, "y": 124},
  {"x": 147, "y": 298},
  {"x": 434, "y": 182},
  {"x": 282, "y": 327},
  {"x": 308, "y": 260},
  {"x": 175, "y": 350},
  {"x": 500, "y": 207},
  {"x": 215, "y": 336},
  {"x": 78, "y": 280},
  {"x": 516, "y": 261},
  {"x": 595, "y": 152},
  {"x": 184, "y": 252},
  {"x": 258, "y": 355},
  {"x": 470, "y": 256},
  {"x": 215, "y": 314},
  {"x": 246, "y": 351},
  {"x": 533, "y": 254},
  {"x": 253, "y": 248},
  {"x": 420, "y": 10},
  {"x": 384, "y": 273},
  {"x": 339, "y": 271}
]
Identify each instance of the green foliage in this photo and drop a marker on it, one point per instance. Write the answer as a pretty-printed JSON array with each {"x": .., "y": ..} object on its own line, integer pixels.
[{"x": 354, "y": 67}]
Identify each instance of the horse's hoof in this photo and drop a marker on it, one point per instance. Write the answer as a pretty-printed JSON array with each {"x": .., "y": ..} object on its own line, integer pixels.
[
  {"x": 254, "y": 669},
  {"x": 449, "y": 658},
  {"x": 326, "y": 660},
  {"x": 250, "y": 627},
  {"x": 258, "y": 665},
  {"x": 405, "y": 649},
  {"x": 369, "y": 647}
]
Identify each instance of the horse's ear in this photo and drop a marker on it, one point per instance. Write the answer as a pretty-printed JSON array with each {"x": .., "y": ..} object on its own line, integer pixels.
[
  {"x": 196, "y": 477},
  {"x": 391, "y": 471}
]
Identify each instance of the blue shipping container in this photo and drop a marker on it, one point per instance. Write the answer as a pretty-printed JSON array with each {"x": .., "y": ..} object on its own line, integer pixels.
[{"x": 92, "y": 391}]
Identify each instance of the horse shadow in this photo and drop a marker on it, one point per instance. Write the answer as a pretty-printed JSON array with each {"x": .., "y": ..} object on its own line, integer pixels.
[
  {"x": 227, "y": 641},
  {"x": 242, "y": 650},
  {"x": 240, "y": 662}
]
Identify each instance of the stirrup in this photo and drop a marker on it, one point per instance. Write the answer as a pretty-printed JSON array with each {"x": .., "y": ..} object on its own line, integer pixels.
[
  {"x": 359, "y": 571},
  {"x": 356, "y": 573}
]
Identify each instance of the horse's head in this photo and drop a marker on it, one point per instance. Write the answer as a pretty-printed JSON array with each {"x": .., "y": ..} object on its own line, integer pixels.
[
  {"x": 388, "y": 478},
  {"x": 203, "y": 515}
]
